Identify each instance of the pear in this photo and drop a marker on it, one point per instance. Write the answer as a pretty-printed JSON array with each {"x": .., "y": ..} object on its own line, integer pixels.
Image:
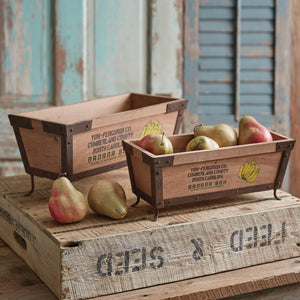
[
  {"x": 66, "y": 204},
  {"x": 107, "y": 197},
  {"x": 225, "y": 135},
  {"x": 201, "y": 143},
  {"x": 251, "y": 131},
  {"x": 156, "y": 144}
]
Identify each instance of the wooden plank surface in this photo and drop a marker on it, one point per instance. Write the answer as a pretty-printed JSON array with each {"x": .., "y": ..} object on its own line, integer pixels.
[
  {"x": 19, "y": 282},
  {"x": 186, "y": 241}
]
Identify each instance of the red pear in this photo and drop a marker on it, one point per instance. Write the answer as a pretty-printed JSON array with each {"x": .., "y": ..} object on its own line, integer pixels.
[
  {"x": 251, "y": 131},
  {"x": 66, "y": 204},
  {"x": 156, "y": 144}
]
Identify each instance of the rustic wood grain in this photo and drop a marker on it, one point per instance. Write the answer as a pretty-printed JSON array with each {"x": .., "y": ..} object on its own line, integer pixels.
[
  {"x": 294, "y": 186},
  {"x": 283, "y": 277},
  {"x": 186, "y": 241}
]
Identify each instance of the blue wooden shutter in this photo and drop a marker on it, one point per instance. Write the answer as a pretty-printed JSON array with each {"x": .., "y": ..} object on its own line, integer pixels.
[{"x": 234, "y": 60}]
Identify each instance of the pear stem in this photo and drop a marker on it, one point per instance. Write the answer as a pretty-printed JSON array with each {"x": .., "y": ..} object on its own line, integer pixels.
[
  {"x": 162, "y": 137},
  {"x": 199, "y": 125}
]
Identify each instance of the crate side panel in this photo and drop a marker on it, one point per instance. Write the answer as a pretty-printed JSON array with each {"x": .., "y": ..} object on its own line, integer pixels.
[
  {"x": 103, "y": 145},
  {"x": 43, "y": 150},
  {"x": 142, "y": 175},
  {"x": 155, "y": 256},
  {"x": 220, "y": 175},
  {"x": 36, "y": 248}
]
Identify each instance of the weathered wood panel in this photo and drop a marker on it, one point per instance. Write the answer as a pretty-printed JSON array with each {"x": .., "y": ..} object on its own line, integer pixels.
[
  {"x": 295, "y": 96},
  {"x": 118, "y": 47},
  {"x": 100, "y": 256},
  {"x": 25, "y": 69},
  {"x": 68, "y": 45},
  {"x": 166, "y": 54},
  {"x": 264, "y": 282}
]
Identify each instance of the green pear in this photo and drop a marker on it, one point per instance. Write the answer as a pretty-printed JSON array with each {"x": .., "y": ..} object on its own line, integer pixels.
[
  {"x": 107, "y": 197},
  {"x": 201, "y": 143},
  {"x": 251, "y": 131},
  {"x": 225, "y": 135},
  {"x": 66, "y": 204}
]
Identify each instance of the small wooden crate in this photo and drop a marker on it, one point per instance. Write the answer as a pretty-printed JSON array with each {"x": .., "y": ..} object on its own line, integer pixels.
[
  {"x": 99, "y": 256},
  {"x": 84, "y": 139},
  {"x": 184, "y": 177}
]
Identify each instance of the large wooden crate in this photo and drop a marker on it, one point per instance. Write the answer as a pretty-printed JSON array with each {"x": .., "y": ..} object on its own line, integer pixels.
[
  {"x": 98, "y": 256},
  {"x": 84, "y": 139},
  {"x": 183, "y": 177}
]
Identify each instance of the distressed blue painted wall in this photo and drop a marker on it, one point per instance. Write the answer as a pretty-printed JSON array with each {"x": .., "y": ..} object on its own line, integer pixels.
[{"x": 68, "y": 51}]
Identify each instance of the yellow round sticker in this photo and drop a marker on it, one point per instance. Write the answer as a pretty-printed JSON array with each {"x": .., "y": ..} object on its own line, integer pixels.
[
  {"x": 151, "y": 127},
  {"x": 249, "y": 171}
]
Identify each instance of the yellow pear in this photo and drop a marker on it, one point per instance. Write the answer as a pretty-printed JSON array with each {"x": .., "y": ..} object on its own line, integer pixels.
[
  {"x": 225, "y": 135},
  {"x": 107, "y": 197},
  {"x": 201, "y": 143}
]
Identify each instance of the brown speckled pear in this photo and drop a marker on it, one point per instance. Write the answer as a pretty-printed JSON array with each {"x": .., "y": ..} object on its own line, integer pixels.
[
  {"x": 107, "y": 197},
  {"x": 225, "y": 135}
]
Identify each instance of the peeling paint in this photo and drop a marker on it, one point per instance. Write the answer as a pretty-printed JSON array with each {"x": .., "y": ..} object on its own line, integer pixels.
[
  {"x": 155, "y": 39},
  {"x": 68, "y": 52},
  {"x": 60, "y": 67},
  {"x": 179, "y": 51},
  {"x": 2, "y": 49}
]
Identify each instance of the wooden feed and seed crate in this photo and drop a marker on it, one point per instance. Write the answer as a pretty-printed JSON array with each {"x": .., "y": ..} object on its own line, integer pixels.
[
  {"x": 98, "y": 256},
  {"x": 183, "y": 177},
  {"x": 84, "y": 139}
]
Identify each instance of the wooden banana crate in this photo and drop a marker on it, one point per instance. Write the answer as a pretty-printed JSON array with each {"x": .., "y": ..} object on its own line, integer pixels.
[
  {"x": 99, "y": 256},
  {"x": 182, "y": 177},
  {"x": 84, "y": 139}
]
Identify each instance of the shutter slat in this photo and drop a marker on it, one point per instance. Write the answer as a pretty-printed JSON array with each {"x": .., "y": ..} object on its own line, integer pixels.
[
  {"x": 227, "y": 13},
  {"x": 257, "y": 26},
  {"x": 247, "y": 63},
  {"x": 262, "y": 13},
  {"x": 228, "y": 51},
  {"x": 216, "y": 3},
  {"x": 257, "y": 38},
  {"x": 214, "y": 13},
  {"x": 257, "y": 51},
  {"x": 228, "y": 109},
  {"x": 228, "y": 88},
  {"x": 227, "y": 38},
  {"x": 257, "y": 3},
  {"x": 216, "y": 38},
  {"x": 227, "y": 99},
  {"x": 221, "y": 51},
  {"x": 216, "y": 25},
  {"x": 229, "y": 76},
  {"x": 257, "y": 63},
  {"x": 216, "y": 88},
  {"x": 245, "y": 3}
]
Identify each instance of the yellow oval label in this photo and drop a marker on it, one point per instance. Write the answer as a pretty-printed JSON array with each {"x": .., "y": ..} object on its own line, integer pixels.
[{"x": 249, "y": 171}]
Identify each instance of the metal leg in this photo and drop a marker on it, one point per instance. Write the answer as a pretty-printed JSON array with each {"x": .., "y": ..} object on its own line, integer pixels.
[
  {"x": 275, "y": 195},
  {"x": 32, "y": 186},
  {"x": 137, "y": 202},
  {"x": 156, "y": 215}
]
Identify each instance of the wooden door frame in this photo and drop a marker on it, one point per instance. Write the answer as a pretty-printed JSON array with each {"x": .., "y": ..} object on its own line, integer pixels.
[{"x": 294, "y": 171}]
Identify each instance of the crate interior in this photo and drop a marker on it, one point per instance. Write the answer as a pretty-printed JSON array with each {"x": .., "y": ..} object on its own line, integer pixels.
[
  {"x": 93, "y": 109},
  {"x": 180, "y": 141}
]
